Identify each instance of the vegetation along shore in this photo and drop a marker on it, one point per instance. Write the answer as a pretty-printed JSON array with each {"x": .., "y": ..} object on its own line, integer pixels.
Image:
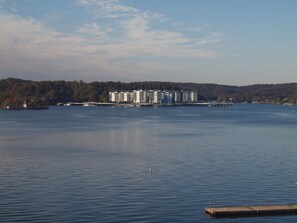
[{"x": 39, "y": 94}]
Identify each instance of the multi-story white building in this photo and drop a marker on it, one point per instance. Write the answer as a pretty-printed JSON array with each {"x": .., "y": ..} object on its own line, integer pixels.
[
  {"x": 154, "y": 97},
  {"x": 168, "y": 98},
  {"x": 121, "y": 97},
  {"x": 126, "y": 96},
  {"x": 113, "y": 96},
  {"x": 157, "y": 97},
  {"x": 150, "y": 96},
  {"x": 144, "y": 98},
  {"x": 185, "y": 96},
  {"x": 177, "y": 96},
  {"x": 138, "y": 96},
  {"x": 193, "y": 96}
]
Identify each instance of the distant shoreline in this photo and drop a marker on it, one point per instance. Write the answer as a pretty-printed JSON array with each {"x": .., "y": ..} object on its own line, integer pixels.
[
  {"x": 52, "y": 92},
  {"x": 198, "y": 104},
  {"x": 131, "y": 105},
  {"x": 25, "y": 109}
]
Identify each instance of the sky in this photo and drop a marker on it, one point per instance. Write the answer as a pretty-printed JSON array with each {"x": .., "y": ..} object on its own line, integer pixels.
[{"x": 232, "y": 42}]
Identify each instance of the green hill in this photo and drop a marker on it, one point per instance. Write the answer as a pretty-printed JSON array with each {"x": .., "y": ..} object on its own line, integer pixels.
[{"x": 16, "y": 91}]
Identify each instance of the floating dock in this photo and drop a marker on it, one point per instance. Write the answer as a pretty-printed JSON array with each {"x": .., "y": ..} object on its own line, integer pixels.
[{"x": 251, "y": 211}]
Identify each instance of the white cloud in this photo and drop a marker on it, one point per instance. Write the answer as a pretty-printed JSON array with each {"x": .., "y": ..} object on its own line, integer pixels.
[
  {"x": 94, "y": 30},
  {"x": 213, "y": 38},
  {"x": 26, "y": 45},
  {"x": 165, "y": 43},
  {"x": 135, "y": 26},
  {"x": 108, "y": 8},
  {"x": 25, "y": 41},
  {"x": 200, "y": 28}
]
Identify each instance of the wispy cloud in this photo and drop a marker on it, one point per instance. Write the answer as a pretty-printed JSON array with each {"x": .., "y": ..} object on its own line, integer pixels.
[
  {"x": 200, "y": 27},
  {"x": 98, "y": 48},
  {"x": 213, "y": 38},
  {"x": 94, "y": 30},
  {"x": 27, "y": 46},
  {"x": 138, "y": 36},
  {"x": 109, "y": 8},
  {"x": 161, "y": 42}
]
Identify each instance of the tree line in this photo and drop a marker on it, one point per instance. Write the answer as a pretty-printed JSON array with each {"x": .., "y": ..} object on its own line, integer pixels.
[{"x": 15, "y": 91}]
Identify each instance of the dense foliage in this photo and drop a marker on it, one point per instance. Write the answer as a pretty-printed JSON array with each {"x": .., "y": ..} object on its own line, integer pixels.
[{"x": 15, "y": 91}]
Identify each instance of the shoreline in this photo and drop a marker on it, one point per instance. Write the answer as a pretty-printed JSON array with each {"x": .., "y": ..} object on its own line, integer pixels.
[{"x": 198, "y": 104}]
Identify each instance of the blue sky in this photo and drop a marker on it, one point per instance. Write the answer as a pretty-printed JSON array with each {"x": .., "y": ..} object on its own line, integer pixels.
[{"x": 234, "y": 42}]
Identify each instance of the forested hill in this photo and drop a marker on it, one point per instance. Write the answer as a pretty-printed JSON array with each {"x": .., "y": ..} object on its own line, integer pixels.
[{"x": 14, "y": 91}]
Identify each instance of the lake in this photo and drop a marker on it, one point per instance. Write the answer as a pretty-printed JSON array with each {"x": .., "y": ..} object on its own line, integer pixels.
[{"x": 92, "y": 164}]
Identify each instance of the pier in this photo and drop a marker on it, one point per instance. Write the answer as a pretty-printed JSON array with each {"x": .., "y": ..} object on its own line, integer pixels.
[
  {"x": 208, "y": 104},
  {"x": 85, "y": 104},
  {"x": 251, "y": 211}
]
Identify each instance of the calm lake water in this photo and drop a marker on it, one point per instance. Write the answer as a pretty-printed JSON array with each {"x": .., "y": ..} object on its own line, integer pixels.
[{"x": 91, "y": 164}]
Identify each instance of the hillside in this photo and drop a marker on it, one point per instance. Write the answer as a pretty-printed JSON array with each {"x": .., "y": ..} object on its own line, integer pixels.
[{"x": 15, "y": 91}]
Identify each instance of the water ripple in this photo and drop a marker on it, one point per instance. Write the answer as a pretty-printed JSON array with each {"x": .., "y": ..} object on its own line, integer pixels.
[{"x": 80, "y": 165}]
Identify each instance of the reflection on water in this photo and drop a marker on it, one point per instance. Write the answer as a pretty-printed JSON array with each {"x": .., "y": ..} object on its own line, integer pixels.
[{"x": 79, "y": 164}]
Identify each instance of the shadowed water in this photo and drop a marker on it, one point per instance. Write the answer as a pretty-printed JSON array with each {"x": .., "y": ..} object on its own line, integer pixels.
[{"x": 77, "y": 164}]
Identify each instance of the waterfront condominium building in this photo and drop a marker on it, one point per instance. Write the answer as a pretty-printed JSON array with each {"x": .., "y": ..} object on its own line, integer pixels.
[
  {"x": 157, "y": 97},
  {"x": 153, "y": 97},
  {"x": 113, "y": 96},
  {"x": 177, "y": 97},
  {"x": 185, "y": 96},
  {"x": 138, "y": 96},
  {"x": 193, "y": 96}
]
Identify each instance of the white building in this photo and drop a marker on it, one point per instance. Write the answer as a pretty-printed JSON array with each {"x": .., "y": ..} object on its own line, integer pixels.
[
  {"x": 138, "y": 96},
  {"x": 193, "y": 96},
  {"x": 127, "y": 97},
  {"x": 157, "y": 97},
  {"x": 154, "y": 97},
  {"x": 189, "y": 96},
  {"x": 121, "y": 97},
  {"x": 113, "y": 96},
  {"x": 185, "y": 96},
  {"x": 177, "y": 96},
  {"x": 150, "y": 96},
  {"x": 144, "y": 98},
  {"x": 168, "y": 97}
]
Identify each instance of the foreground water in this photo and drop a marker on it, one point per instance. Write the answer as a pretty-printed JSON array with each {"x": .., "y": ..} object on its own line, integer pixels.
[{"x": 92, "y": 164}]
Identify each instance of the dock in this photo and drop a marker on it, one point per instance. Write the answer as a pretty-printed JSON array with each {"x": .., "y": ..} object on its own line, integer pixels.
[{"x": 251, "y": 211}]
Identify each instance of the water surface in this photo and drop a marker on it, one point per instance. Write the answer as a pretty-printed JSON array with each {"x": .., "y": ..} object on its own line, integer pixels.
[{"x": 78, "y": 164}]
